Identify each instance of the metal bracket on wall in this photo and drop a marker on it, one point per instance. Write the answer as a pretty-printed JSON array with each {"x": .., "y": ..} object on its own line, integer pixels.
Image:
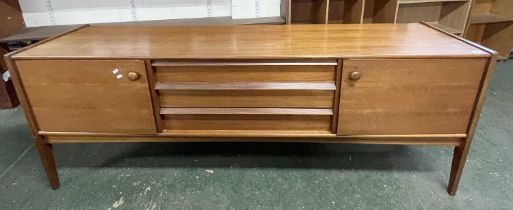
[
  {"x": 257, "y": 8},
  {"x": 209, "y": 8},
  {"x": 132, "y": 10},
  {"x": 51, "y": 14}
]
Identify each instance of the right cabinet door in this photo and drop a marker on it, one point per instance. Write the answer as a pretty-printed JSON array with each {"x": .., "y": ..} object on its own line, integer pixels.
[{"x": 408, "y": 96}]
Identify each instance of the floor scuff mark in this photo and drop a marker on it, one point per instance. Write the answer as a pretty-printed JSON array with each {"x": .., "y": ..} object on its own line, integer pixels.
[
  {"x": 147, "y": 190},
  {"x": 118, "y": 203}
]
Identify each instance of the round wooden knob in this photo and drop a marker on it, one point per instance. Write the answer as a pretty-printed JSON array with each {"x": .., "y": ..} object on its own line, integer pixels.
[
  {"x": 132, "y": 76},
  {"x": 355, "y": 76}
]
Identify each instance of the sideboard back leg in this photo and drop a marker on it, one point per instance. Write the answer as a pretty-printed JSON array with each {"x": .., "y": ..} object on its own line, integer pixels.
[{"x": 48, "y": 160}]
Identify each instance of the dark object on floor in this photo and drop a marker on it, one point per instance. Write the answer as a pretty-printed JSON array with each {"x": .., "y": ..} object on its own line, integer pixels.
[
  {"x": 20, "y": 39},
  {"x": 11, "y": 20}
]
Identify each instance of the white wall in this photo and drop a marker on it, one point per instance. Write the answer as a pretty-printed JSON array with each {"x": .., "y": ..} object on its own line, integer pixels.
[
  {"x": 64, "y": 12},
  {"x": 255, "y": 8}
]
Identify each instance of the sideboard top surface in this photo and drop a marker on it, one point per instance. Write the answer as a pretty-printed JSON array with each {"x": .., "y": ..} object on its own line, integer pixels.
[{"x": 253, "y": 42}]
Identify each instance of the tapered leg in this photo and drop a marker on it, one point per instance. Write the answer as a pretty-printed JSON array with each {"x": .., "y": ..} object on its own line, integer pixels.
[
  {"x": 460, "y": 152},
  {"x": 48, "y": 160},
  {"x": 458, "y": 162}
]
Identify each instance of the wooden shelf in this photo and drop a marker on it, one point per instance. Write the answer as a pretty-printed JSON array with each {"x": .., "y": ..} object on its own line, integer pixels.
[
  {"x": 345, "y": 11},
  {"x": 308, "y": 11},
  {"x": 380, "y": 11},
  {"x": 427, "y": 1},
  {"x": 244, "y": 111},
  {"x": 448, "y": 15},
  {"x": 260, "y": 20},
  {"x": 490, "y": 24},
  {"x": 488, "y": 18},
  {"x": 303, "y": 22},
  {"x": 446, "y": 28}
]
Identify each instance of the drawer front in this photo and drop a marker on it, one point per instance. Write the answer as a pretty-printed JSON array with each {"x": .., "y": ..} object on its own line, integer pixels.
[
  {"x": 88, "y": 96},
  {"x": 247, "y": 98},
  {"x": 245, "y": 72},
  {"x": 247, "y": 119},
  {"x": 247, "y": 122},
  {"x": 408, "y": 96}
]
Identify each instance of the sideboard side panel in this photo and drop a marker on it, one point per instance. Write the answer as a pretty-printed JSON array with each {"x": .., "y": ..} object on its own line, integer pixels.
[
  {"x": 87, "y": 96},
  {"x": 408, "y": 96}
]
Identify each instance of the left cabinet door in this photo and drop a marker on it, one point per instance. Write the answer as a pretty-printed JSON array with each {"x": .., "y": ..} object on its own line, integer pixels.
[{"x": 88, "y": 95}]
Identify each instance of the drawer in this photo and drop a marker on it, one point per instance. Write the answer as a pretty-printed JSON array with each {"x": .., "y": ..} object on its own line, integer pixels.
[
  {"x": 408, "y": 96},
  {"x": 246, "y": 84},
  {"x": 322, "y": 98},
  {"x": 261, "y": 71},
  {"x": 263, "y": 119}
]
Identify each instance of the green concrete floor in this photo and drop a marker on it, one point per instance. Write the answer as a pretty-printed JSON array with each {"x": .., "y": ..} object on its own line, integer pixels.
[{"x": 263, "y": 175}]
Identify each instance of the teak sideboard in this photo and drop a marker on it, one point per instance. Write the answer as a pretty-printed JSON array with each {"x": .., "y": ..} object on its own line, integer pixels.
[{"x": 408, "y": 84}]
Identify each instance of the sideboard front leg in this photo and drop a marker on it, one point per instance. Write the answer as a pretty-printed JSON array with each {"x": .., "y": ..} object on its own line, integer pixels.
[
  {"x": 461, "y": 152},
  {"x": 458, "y": 162},
  {"x": 48, "y": 160}
]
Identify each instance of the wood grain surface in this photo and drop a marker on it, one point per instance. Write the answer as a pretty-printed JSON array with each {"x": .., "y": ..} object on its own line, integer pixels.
[
  {"x": 409, "y": 96},
  {"x": 248, "y": 73},
  {"x": 247, "y": 98},
  {"x": 86, "y": 96},
  {"x": 248, "y": 122},
  {"x": 253, "y": 42}
]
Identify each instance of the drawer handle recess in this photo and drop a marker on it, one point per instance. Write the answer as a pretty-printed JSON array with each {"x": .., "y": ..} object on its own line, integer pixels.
[
  {"x": 244, "y": 111},
  {"x": 244, "y": 86}
]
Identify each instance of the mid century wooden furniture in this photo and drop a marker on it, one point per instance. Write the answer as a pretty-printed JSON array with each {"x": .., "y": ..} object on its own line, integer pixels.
[
  {"x": 491, "y": 24},
  {"x": 367, "y": 84}
]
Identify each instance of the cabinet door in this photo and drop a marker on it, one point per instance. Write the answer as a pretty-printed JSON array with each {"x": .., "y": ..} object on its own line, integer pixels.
[
  {"x": 88, "y": 96},
  {"x": 408, "y": 96}
]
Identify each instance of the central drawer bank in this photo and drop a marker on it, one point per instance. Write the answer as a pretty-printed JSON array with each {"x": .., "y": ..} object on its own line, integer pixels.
[{"x": 373, "y": 84}]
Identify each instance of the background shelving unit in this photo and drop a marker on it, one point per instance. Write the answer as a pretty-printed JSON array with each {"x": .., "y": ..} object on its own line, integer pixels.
[
  {"x": 345, "y": 11},
  {"x": 308, "y": 11},
  {"x": 491, "y": 24},
  {"x": 380, "y": 11},
  {"x": 325, "y": 11},
  {"x": 448, "y": 15}
]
